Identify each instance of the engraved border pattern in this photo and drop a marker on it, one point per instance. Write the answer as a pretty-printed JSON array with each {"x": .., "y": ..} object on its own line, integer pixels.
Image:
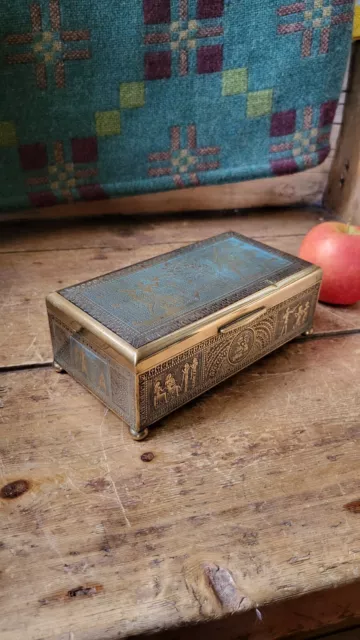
[
  {"x": 148, "y": 414},
  {"x": 75, "y": 294}
]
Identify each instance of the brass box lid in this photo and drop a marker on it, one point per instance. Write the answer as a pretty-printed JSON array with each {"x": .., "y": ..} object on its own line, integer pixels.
[{"x": 162, "y": 297}]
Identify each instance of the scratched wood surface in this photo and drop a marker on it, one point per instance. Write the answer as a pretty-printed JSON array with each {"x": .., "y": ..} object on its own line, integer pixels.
[
  {"x": 36, "y": 259},
  {"x": 241, "y": 506},
  {"x": 238, "y": 505}
]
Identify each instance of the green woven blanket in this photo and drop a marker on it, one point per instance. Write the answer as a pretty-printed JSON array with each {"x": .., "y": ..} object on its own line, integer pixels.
[{"x": 101, "y": 98}]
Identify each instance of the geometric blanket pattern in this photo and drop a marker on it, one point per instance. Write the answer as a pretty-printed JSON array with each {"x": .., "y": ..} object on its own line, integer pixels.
[{"x": 102, "y": 99}]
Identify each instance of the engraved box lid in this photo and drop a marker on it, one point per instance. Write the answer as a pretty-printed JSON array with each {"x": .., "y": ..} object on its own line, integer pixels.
[{"x": 167, "y": 294}]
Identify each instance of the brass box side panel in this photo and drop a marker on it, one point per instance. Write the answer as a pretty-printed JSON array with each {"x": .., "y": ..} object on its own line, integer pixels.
[
  {"x": 93, "y": 367},
  {"x": 74, "y": 316},
  {"x": 179, "y": 379}
]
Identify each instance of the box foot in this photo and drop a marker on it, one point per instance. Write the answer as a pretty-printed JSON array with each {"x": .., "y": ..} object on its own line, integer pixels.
[
  {"x": 57, "y": 368},
  {"x": 309, "y": 332},
  {"x": 139, "y": 435}
]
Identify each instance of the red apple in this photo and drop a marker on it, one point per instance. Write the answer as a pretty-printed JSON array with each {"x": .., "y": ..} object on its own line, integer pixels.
[{"x": 335, "y": 247}]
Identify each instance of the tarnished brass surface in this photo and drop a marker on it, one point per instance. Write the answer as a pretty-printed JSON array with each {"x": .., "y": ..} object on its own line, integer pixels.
[
  {"x": 144, "y": 383},
  {"x": 181, "y": 378}
]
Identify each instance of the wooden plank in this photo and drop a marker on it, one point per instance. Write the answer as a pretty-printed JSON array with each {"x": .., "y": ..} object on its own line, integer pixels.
[
  {"x": 27, "y": 277},
  {"x": 334, "y": 136},
  {"x": 242, "y": 506},
  {"x": 342, "y": 98},
  {"x": 131, "y": 232},
  {"x": 339, "y": 114},
  {"x": 342, "y": 195}
]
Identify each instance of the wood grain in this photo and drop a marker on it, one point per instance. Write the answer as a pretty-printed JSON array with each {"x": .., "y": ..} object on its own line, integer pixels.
[
  {"x": 244, "y": 502},
  {"x": 250, "y": 480},
  {"x": 343, "y": 191},
  {"x": 41, "y": 262},
  {"x": 132, "y": 232}
]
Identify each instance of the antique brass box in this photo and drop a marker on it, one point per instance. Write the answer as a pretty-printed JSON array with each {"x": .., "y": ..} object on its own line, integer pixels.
[{"x": 148, "y": 338}]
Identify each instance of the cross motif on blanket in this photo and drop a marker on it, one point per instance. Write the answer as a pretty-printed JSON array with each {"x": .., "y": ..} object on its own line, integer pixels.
[
  {"x": 47, "y": 48},
  {"x": 179, "y": 38},
  {"x": 302, "y": 138},
  {"x": 57, "y": 174},
  {"x": 183, "y": 161},
  {"x": 314, "y": 19}
]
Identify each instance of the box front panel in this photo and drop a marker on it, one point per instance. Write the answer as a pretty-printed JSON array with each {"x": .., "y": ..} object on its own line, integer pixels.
[
  {"x": 183, "y": 377},
  {"x": 95, "y": 370}
]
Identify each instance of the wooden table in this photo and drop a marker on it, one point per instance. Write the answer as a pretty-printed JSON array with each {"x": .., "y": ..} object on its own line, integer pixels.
[{"x": 243, "y": 506}]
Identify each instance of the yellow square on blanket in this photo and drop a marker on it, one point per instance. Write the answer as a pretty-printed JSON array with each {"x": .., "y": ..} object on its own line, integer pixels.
[{"x": 356, "y": 30}]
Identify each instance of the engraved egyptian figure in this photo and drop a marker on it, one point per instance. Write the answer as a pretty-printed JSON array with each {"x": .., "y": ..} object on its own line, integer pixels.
[
  {"x": 185, "y": 377},
  {"x": 302, "y": 314},
  {"x": 159, "y": 393},
  {"x": 171, "y": 385},
  {"x": 285, "y": 320},
  {"x": 194, "y": 367}
]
